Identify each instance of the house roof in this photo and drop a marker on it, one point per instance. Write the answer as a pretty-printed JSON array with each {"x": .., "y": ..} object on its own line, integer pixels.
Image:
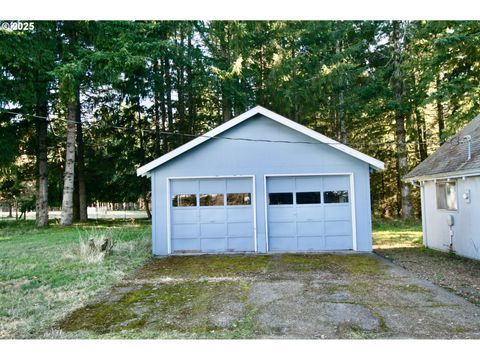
[
  {"x": 451, "y": 159},
  {"x": 145, "y": 169}
]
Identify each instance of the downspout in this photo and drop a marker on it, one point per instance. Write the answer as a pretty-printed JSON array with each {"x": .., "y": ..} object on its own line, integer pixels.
[
  {"x": 424, "y": 214},
  {"x": 450, "y": 222},
  {"x": 421, "y": 186}
]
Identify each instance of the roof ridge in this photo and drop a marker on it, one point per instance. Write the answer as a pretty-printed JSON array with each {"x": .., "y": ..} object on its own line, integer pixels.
[{"x": 145, "y": 169}]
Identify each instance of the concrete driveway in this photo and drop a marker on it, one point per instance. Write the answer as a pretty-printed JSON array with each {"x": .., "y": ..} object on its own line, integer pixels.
[{"x": 275, "y": 296}]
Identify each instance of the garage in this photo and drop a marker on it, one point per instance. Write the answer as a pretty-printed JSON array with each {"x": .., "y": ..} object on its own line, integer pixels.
[
  {"x": 261, "y": 183},
  {"x": 212, "y": 215},
  {"x": 309, "y": 213}
]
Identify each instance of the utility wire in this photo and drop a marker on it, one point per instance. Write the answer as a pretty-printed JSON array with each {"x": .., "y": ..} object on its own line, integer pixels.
[{"x": 161, "y": 132}]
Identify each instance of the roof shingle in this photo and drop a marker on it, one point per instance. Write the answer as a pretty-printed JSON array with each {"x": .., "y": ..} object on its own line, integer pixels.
[{"x": 452, "y": 156}]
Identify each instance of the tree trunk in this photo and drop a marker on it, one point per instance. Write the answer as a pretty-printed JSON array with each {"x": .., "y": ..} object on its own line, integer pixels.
[
  {"x": 398, "y": 89},
  {"x": 296, "y": 108},
  {"x": 147, "y": 205},
  {"x": 168, "y": 92},
  {"x": 341, "y": 104},
  {"x": 440, "y": 116},
  {"x": 82, "y": 190},
  {"x": 226, "y": 105},
  {"x": 156, "y": 109},
  {"x": 421, "y": 135},
  {"x": 41, "y": 207},
  {"x": 165, "y": 140},
  {"x": 76, "y": 203},
  {"x": 181, "y": 81},
  {"x": 68, "y": 179},
  {"x": 192, "y": 111}
]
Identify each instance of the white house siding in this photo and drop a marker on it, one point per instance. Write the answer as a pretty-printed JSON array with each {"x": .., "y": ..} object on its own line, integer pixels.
[{"x": 466, "y": 231}]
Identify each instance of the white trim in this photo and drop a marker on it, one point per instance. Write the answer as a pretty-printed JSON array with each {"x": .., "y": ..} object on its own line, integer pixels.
[
  {"x": 145, "y": 169},
  {"x": 310, "y": 174},
  {"x": 354, "y": 219},
  {"x": 254, "y": 203},
  {"x": 169, "y": 238},
  {"x": 351, "y": 202},
  {"x": 424, "y": 214},
  {"x": 266, "y": 211},
  {"x": 443, "y": 176},
  {"x": 210, "y": 177},
  {"x": 153, "y": 212}
]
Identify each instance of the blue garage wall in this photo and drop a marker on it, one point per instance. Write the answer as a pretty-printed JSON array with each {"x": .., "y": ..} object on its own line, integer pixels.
[{"x": 222, "y": 157}]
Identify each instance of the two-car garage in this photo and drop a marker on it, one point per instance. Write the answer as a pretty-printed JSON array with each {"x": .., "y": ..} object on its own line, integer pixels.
[
  {"x": 261, "y": 183},
  {"x": 304, "y": 213}
]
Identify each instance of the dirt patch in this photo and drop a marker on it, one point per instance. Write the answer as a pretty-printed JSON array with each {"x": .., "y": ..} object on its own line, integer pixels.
[{"x": 458, "y": 274}]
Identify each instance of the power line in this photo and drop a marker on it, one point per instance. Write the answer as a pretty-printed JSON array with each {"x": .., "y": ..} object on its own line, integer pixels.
[{"x": 175, "y": 133}]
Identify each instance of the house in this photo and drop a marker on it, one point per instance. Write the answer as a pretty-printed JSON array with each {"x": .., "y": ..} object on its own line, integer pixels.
[
  {"x": 261, "y": 183},
  {"x": 449, "y": 181}
]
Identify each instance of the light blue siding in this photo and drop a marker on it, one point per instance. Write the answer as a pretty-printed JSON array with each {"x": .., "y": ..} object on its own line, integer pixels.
[{"x": 222, "y": 157}]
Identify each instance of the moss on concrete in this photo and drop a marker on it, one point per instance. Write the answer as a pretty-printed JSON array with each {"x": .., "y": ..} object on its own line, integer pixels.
[{"x": 181, "y": 307}]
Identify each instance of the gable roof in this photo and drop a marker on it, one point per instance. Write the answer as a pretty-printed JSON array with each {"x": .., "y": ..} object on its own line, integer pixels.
[
  {"x": 145, "y": 169},
  {"x": 451, "y": 158}
]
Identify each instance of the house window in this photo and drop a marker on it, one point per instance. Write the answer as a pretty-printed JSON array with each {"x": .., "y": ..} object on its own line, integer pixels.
[
  {"x": 280, "y": 198},
  {"x": 239, "y": 199},
  {"x": 310, "y": 197},
  {"x": 447, "y": 195},
  {"x": 331, "y": 197},
  {"x": 184, "y": 200},
  {"x": 212, "y": 200}
]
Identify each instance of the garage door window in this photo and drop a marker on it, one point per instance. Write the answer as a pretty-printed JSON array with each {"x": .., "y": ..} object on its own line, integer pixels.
[
  {"x": 310, "y": 197},
  {"x": 236, "y": 199},
  {"x": 184, "y": 200},
  {"x": 332, "y": 197},
  {"x": 212, "y": 200},
  {"x": 280, "y": 198}
]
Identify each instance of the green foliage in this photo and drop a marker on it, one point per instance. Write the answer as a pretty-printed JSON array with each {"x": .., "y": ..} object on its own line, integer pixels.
[{"x": 143, "y": 82}]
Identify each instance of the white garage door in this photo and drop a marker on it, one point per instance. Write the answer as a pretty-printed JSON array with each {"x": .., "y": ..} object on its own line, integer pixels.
[
  {"x": 309, "y": 213},
  {"x": 211, "y": 215}
]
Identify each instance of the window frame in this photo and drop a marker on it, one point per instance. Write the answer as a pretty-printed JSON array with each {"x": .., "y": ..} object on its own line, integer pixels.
[
  {"x": 336, "y": 191},
  {"x": 438, "y": 184},
  {"x": 236, "y": 193},
  {"x": 200, "y": 199},
  {"x": 284, "y": 192},
  {"x": 311, "y": 203},
  {"x": 172, "y": 204}
]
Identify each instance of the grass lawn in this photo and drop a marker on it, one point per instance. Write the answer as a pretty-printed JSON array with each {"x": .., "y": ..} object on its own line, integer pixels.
[
  {"x": 388, "y": 234},
  {"x": 44, "y": 274}
]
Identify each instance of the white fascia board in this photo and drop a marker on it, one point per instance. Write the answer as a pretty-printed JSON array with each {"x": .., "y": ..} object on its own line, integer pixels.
[
  {"x": 443, "y": 176},
  {"x": 376, "y": 164},
  {"x": 197, "y": 141}
]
